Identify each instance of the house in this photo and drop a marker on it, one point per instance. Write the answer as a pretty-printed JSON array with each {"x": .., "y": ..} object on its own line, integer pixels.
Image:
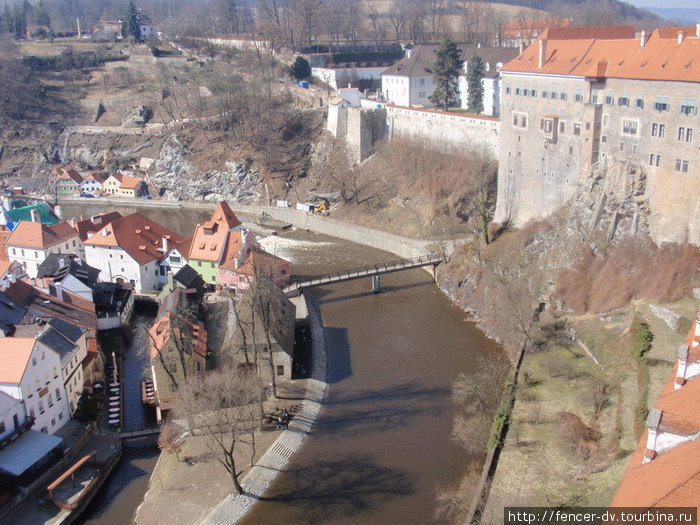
[
  {"x": 31, "y": 242},
  {"x": 27, "y": 458},
  {"x": 131, "y": 250},
  {"x": 178, "y": 348},
  {"x": 93, "y": 183},
  {"x": 31, "y": 372},
  {"x": 570, "y": 109},
  {"x": 176, "y": 258},
  {"x": 68, "y": 181},
  {"x": 211, "y": 241},
  {"x": 410, "y": 82},
  {"x": 493, "y": 59},
  {"x": 277, "y": 325},
  {"x": 664, "y": 470},
  {"x": 72, "y": 273},
  {"x": 186, "y": 278},
  {"x": 13, "y": 419},
  {"x": 10, "y": 272},
  {"x": 523, "y": 32},
  {"x": 86, "y": 228},
  {"x": 239, "y": 274},
  {"x": 122, "y": 185}
]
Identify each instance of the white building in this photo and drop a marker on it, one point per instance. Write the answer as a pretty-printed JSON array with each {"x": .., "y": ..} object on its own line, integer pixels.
[
  {"x": 12, "y": 415},
  {"x": 93, "y": 183},
  {"x": 131, "y": 249},
  {"x": 31, "y": 242},
  {"x": 31, "y": 372},
  {"x": 410, "y": 82}
]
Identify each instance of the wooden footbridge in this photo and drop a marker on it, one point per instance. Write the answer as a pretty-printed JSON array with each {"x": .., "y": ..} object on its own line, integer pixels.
[
  {"x": 374, "y": 272},
  {"x": 137, "y": 431}
]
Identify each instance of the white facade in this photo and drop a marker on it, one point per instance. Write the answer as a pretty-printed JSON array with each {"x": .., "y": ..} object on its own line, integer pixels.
[
  {"x": 31, "y": 258},
  {"x": 12, "y": 414},
  {"x": 174, "y": 261},
  {"x": 41, "y": 388},
  {"x": 90, "y": 186},
  {"x": 492, "y": 95},
  {"x": 72, "y": 373},
  {"x": 341, "y": 77},
  {"x": 117, "y": 265},
  {"x": 408, "y": 91}
]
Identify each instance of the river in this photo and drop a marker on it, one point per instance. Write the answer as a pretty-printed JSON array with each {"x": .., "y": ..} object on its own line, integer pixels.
[{"x": 381, "y": 447}]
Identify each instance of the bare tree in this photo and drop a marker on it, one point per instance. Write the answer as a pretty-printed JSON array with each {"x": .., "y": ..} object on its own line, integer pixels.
[
  {"x": 169, "y": 439},
  {"x": 223, "y": 405}
]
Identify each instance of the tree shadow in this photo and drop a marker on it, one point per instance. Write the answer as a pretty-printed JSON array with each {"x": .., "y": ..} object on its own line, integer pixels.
[
  {"x": 380, "y": 410},
  {"x": 340, "y": 487}
]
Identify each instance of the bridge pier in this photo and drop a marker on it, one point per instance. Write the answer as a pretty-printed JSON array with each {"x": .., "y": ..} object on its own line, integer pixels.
[{"x": 375, "y": 284}]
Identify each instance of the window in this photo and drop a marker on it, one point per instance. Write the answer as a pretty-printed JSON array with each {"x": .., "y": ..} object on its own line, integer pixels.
[
  {"x": 685, "y": 134},
  {"x": 658, "y": 130},
  {"x": 507, "y": 90},
  {"x": 609, "y": 97},
  {"x": 639, "y": 102},
  {"x": 661, "y": 103},
  {"x": 517, "y": 91},
  {"x": 604, "y": 139},
  {"x": 622, "y": 146},
  {"x": 689, "y": 106},
  {"x": 280, "y": 370},
  {"x": 606, "y": 119},
  {"x": 421, "y": 94},
  {"x": 629, "y": 127},
  {"x": 654, "y": 160},
  {"x": 553, "y": 95},
  {"x": 58, "y": 394},
  {"x": 53, "y": 422},
  {"x": 60, "y": 416},
  {"x": 212, "y": 264},
  {"x": 562, "y": 126},
  {"x": 33, "y": 360},
  {"x": 578, "y": 97},
  {"x": 623, "y": 101},
  {"x": 31, "y": 413},
  {"x": 562, "y": 96},
  {"x": 519, "y": 120},
  {"x": 577, "y": 128},
  {"x": 41, "y": 407},
  {"x": 682, "y": 166}
]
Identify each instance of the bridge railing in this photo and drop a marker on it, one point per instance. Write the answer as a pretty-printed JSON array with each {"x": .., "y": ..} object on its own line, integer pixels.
[{"x": 365, "y": 271}]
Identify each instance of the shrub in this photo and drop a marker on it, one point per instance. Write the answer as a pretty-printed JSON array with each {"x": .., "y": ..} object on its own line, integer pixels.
[{"x": 641, "y": 340}]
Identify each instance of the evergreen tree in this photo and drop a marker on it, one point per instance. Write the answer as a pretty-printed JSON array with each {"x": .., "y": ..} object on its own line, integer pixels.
[
  {"x": 300, "y": 68},
  {"x": 475, "y": 85},
  {"x": 446, "y": 71},
  {"x": 130, "y": 23},
  {"x": 41, "y": 16}
]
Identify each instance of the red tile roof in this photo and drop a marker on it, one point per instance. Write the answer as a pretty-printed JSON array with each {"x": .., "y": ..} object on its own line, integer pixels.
[
  {"x": 30, "y": 234},
  {"x": 532, "y": 28},
  {"x": 88, "y": 227},
  {"x": 70, "y": 173},
  {"x": 129, "y": 182},
  {"x": 137, "y": 235}
]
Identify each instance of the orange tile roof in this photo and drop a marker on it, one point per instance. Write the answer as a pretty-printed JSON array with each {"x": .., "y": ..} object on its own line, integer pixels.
[
  {"x": 129, "y": 182},
  {"x": 30, "y": 234},
  {"x": 234, "y": 243},
  {"x": 599, "y": 55},
  {"x": 137, "y": 235},
  {"x": 209, "y": 239},
  {"x": 15, "y": 356},
  {"x": 161, "y": 331},
  {"x": 4, "y": 267}
]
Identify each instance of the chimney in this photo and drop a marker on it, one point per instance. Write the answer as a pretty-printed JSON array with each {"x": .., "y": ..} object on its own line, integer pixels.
[
  {"x": 543, "y": 53},
  {"x": 34, "y": 215},
  {"x": 59, "y": 291},
  {"x": 58, "y": 210},
  {"x": 165, "y": 244},
  {"x": 72, "y": 223},
  {"x": 652, "y": 423},
  {"x": 642, "y": 38},
  {"x": 521, "y": 47},
  {"x": 681, "y": 36},
  {"x": 697, "y": 30},
  {"x": 61, "y": 262},
  {"x": 105, "y": 232},
  {"x": 683, "y": 354}
]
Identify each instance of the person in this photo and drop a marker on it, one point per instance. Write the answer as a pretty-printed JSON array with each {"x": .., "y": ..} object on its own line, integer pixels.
[{"x": 285, "y": 415}]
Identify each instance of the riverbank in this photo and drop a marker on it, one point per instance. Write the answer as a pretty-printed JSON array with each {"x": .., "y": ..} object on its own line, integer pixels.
[{"x": 203, "y": 485}]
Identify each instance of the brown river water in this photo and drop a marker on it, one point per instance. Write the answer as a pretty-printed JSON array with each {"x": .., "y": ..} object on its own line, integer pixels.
[{"x": 381, "y": 446}]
